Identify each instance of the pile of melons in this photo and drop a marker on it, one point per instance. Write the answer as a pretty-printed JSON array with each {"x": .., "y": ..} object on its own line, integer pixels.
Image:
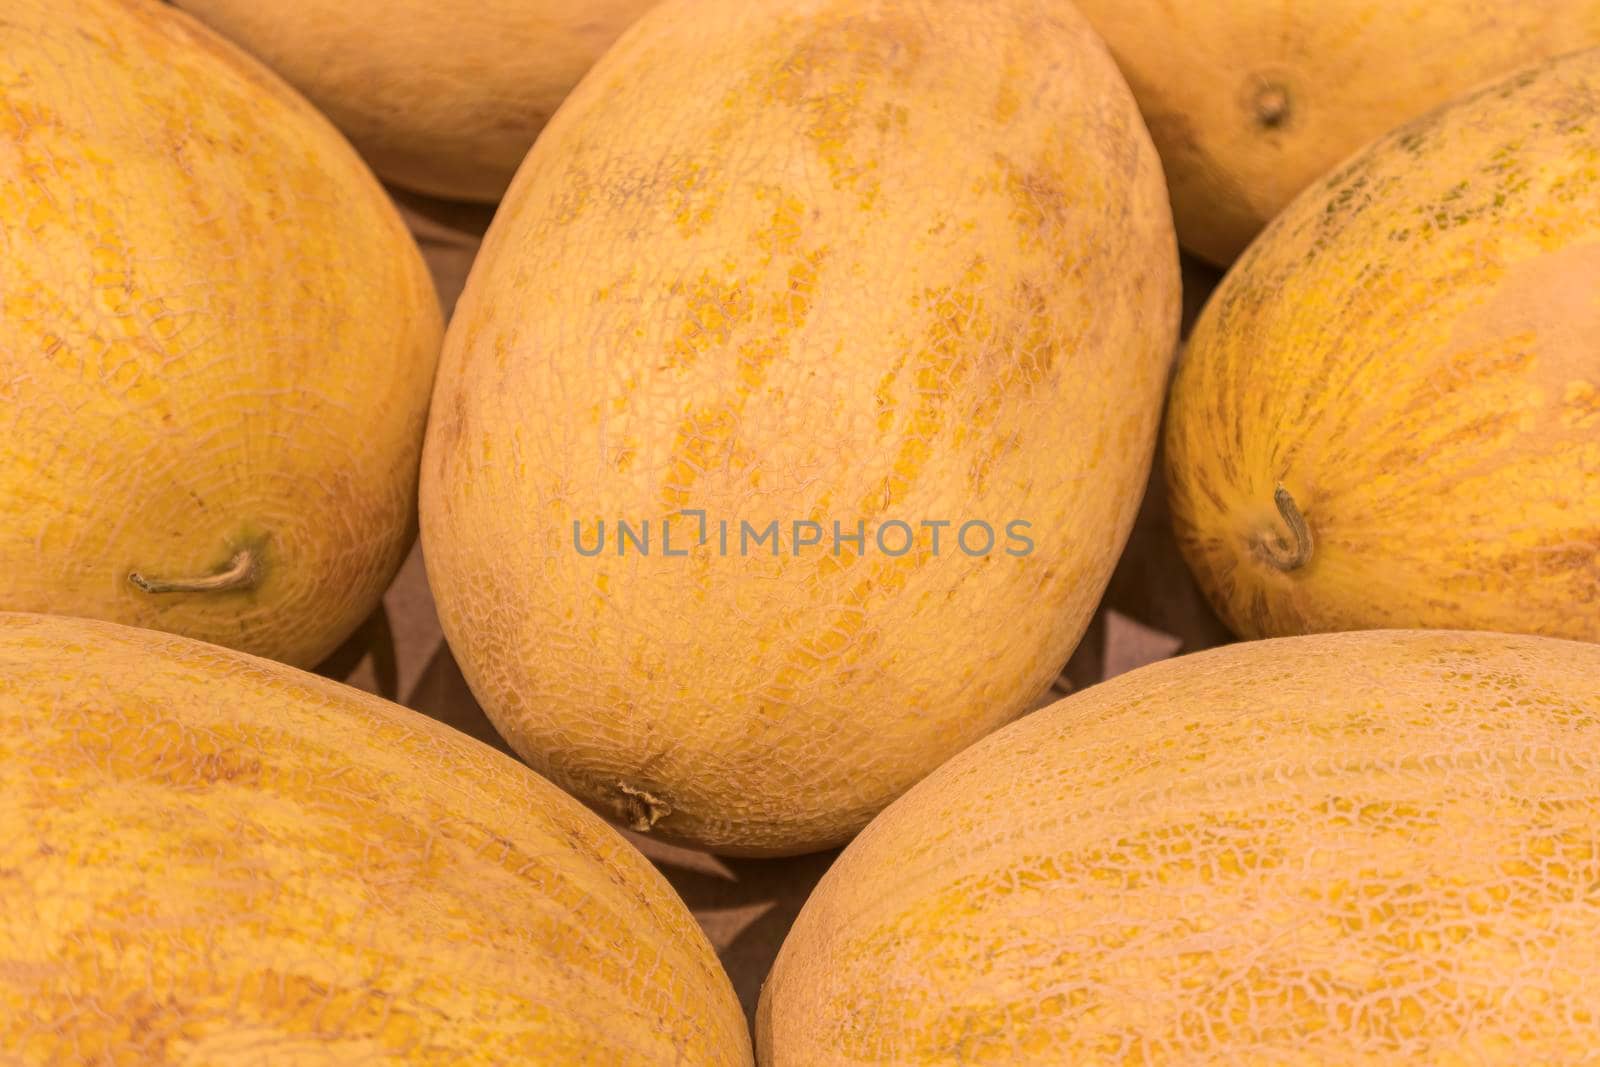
[{"x": 779, "y": 451}]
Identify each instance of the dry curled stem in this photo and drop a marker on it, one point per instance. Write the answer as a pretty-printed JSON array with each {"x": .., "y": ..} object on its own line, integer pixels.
[
  {"x": 241, "y": 572},
  {"x": 1293, "y": 554}
]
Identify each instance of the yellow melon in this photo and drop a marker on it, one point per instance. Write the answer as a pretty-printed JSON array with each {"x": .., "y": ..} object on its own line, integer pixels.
[
  {"x": 834, "y": 263},
  {"x": 1364, "y": 848},
  {"x": 441, "y": 98},
  {"x": 1250, "y": 101},
  {"x": 217, "y": 340},
  {"x": 1389, "y": 413},
  {"x": 210, "y": 859}
]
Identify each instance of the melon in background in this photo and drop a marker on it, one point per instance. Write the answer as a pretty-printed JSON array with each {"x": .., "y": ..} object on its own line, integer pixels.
[
  {"x": 442, "y": 98},
  {"x": 1250, "y": 101}
]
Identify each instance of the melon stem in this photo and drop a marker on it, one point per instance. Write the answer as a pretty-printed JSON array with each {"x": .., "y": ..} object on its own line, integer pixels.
[
  {"x": 1272, "y": 106},
  {"x": 241, "y": 573},
  {"x": 643, "y": 810},
  {"x": 1282, "y": 555}
]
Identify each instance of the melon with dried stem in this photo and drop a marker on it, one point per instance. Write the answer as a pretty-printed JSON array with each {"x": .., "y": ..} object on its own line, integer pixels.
[
  {"x": 208, "y": 858},
  {"x": 796, "y": 283},
  {"x": 1362, "y": 848},
  {"x": 217, "y": 340},
  {"x": 1389, "y": 413}
]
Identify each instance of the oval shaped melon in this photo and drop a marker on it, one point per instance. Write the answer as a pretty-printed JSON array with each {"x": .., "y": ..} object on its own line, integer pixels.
[
  {"x": 441, "y": 98},
  {"x": 1373, "y": 848},
  {"x": 207, "y": 858},
  {"x": 831, "y": 262},
  {"x": 1251, "y": 101},
  {"x": 1410, "y": 352},
  {"x": 217, "y": 340}
]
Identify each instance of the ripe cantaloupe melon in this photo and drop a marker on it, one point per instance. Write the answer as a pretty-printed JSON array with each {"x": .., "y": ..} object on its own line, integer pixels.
[
  {"x": 843, "y": 262},
  {"x": 217, "y": 340},
  {"x": 211, "y": 859},
  {"x": 441, "y": 98},
  {"x": 1250, "y": 101},
  {"x": 1411, "y": 353},
  {"x": 1363, "y": 848}
]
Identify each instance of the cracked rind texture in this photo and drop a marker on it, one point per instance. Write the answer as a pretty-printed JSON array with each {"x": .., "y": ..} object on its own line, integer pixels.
[
  {"x": 1411, "y": 350},
  {"x": 836, "y": 260},
  {"x": 441, "y": 98},
  {"x": 1367, "y": 848},
  {"x": 1348, "y": 71},
  {"x": 215, "y": 333},
  {"x": 211, "y": 859}
]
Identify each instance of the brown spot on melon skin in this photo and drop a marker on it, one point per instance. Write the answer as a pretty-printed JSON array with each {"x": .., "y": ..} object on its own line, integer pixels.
[
  {"x": 1370, "y": 847},
  {"x": 219, "y": 858},
  {"x": 1418, "y": 388},
  {"x": 185, "y": 367}
]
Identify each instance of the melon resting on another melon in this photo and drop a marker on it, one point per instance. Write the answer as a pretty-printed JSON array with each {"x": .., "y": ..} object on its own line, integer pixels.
[
  {"x": 217, "y": 340},
  {"x": 208, "y": 859},
  {"x": 1360, "y": 848},
  {"x": 832, "y": 261}
]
